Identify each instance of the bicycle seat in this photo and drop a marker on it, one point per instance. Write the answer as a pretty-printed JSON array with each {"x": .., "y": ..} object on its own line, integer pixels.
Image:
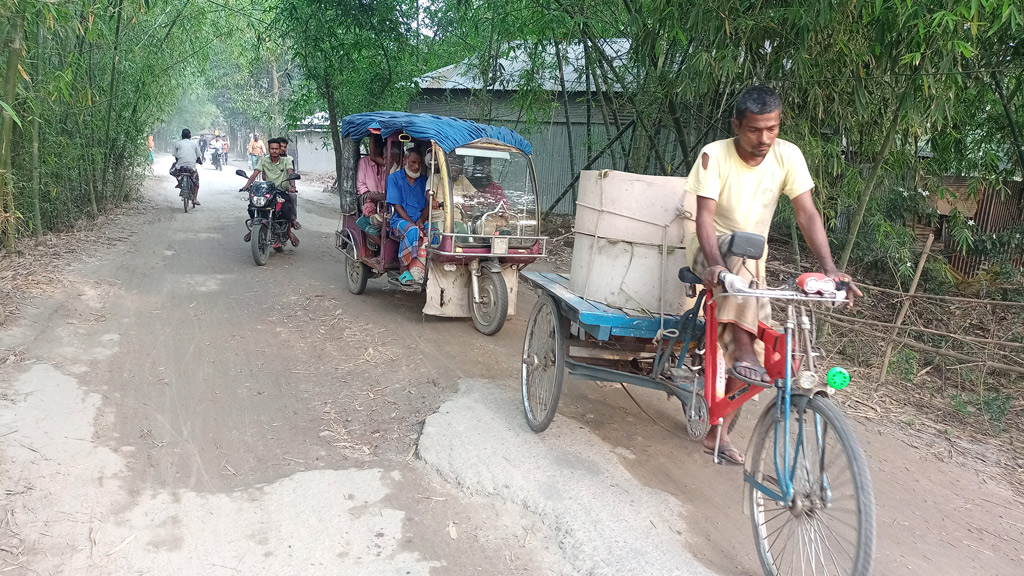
[{"x": 686, "y": 275}]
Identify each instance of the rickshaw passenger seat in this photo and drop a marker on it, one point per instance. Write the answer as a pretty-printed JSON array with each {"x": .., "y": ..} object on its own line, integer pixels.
[{"x": 689, "y": 277}]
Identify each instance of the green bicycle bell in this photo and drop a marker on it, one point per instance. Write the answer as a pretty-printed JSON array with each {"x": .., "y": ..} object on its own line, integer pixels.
[{"x": 838, "y": 378}]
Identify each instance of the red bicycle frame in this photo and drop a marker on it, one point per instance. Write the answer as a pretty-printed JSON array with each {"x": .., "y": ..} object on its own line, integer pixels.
[{"x": 720, "y": 403}]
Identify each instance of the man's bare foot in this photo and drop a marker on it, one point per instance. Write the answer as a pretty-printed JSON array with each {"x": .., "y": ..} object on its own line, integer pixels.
[{"x": 726, "y": 450}]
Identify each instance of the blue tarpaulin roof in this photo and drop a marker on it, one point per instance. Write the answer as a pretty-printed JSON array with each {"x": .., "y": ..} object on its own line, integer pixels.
[{"x": 449, "y": 133}]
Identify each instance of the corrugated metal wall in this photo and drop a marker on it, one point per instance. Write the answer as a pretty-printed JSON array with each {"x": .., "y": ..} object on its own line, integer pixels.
[{"x": 995, "y": 212}]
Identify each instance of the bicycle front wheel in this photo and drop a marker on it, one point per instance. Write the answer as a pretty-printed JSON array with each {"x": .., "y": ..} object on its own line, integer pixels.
[{"x": 829, "y": 525}]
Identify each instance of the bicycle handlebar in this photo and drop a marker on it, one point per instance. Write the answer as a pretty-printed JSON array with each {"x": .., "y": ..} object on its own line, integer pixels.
[{"x": 734, "y": 285}]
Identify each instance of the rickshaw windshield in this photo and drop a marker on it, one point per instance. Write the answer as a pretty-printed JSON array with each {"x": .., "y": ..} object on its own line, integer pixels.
[{"x": 492, "y": 190}]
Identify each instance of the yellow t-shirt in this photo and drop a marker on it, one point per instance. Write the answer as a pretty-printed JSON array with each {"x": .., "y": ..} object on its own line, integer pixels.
[{"x": 747, "y": 195}]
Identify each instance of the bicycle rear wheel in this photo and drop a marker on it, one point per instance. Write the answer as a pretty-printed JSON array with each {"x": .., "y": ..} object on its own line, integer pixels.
[{"x": 829, "y": 527}]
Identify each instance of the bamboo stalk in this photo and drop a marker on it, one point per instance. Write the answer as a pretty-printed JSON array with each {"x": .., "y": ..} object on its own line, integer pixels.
[
  {"x": 924, "y": 348},
  {"x": 941, "y": 334},
  {"x": 918, "y": 296},
  {"x": 905, "y": 307},
  {"x": 37, "y": 219},
  {"x": 568, "y": 120},
  {"x": 7, "y": 208}
]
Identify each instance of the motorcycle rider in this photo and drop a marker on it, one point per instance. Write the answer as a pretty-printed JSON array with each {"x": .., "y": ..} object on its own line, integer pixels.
[
  {"x": 276, "y": 169},
  {"x": 218, "y": 150},
  {"x": 186, "y": 156}
]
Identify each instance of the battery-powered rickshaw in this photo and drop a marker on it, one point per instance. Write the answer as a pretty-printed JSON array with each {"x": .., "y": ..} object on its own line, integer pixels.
[{"x": 483, "y": 224}]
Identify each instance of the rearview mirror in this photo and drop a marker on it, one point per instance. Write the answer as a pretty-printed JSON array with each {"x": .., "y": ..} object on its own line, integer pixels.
[
  {"x": 241, "y": 173},
  {"x": 746, "y": 245}
]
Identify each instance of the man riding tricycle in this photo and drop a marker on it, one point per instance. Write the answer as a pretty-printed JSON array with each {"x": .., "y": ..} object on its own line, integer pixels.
[{"x": 442, "y": 204}]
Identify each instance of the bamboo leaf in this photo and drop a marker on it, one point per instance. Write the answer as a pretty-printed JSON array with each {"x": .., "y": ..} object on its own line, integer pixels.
[{"x": 10, "y": 111}]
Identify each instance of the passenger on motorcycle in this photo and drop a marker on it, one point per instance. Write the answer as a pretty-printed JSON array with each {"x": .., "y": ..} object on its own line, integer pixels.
[
  {"x": 186, "y": 156},
  {"x": 276, "y": 169}
]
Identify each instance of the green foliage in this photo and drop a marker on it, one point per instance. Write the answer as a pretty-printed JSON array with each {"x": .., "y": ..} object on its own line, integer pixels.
[
  {"x": 96, "y": 76},
  {"x": 904, "y": 365},
  {"x": 992, "y": 406},
  {"x": 847, "y": 71}
]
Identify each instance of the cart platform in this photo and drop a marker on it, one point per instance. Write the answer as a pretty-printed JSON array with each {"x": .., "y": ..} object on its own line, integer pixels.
[{"x": 599, "y": 320}]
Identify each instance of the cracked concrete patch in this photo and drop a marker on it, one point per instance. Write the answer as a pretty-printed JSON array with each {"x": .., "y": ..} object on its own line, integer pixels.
[{"x": 606, "y": 522}]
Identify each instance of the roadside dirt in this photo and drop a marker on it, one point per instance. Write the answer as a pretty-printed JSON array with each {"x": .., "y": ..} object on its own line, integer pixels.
[{"x": 167, "y": 407}]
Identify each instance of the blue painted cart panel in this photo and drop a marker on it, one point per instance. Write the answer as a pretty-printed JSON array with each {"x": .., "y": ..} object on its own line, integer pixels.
[{"x": 599, "y": 320}]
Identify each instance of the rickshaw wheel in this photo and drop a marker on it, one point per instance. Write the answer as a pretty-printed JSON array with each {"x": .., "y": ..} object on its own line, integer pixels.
[
  {"x": 543, "y": 363},
  {"x": 489, "y": 314},
  {"x": 356, "y": 275}
]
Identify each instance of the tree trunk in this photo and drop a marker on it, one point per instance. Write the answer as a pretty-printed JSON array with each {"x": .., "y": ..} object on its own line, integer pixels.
[
  {"x": 275, "y": 110},
  {"x": 7, "y": 210},
  {"x": 332, "y": 116}
]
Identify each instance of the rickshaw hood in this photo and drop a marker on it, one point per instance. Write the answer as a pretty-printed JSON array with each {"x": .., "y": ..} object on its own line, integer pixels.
[{"x": 449, "y": 133}]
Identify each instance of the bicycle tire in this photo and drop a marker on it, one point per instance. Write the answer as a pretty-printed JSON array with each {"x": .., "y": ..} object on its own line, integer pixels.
[
  {"x": 819, "y": 513},
  {"x": 543, "y": 363}
]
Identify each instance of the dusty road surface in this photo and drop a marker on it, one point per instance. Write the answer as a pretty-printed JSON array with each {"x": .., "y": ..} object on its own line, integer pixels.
[{"x": 175, "y": 409}]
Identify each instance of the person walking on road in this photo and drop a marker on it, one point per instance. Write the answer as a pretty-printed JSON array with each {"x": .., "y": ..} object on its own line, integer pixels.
[{"x": 256, "y": 150}]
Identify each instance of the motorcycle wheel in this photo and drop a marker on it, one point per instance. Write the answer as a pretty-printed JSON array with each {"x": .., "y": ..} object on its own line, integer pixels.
[{"x": 260, "y": 242}]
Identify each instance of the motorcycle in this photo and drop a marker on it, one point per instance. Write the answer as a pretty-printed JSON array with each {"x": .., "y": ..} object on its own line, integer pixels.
[
  {"x": 267, "y": 227},
  {"x": 218, "y": 161}
]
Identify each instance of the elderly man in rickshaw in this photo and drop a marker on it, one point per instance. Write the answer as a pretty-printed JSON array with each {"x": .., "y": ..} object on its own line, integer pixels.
[{"x": 407, "y": 194}]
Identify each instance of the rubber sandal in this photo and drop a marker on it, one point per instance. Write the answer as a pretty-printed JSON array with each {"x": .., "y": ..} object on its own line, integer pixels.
[
  {"x": 295, "y": 241},
  {"x": 750, "y": 381},
  {"x": 296, "y": 225},
  {"x": 730, "y": 455},
  {"x": 406, "y": 279}
]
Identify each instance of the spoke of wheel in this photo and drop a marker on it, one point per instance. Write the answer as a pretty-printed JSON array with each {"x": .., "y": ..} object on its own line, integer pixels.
[
  {"x": 846, "y": 523},
  {"x": 819, "y": 551},
  {"x": 831, "y": 552},
  {"x": 838, "y": 539},
  {"x": 779, "y": 556}
]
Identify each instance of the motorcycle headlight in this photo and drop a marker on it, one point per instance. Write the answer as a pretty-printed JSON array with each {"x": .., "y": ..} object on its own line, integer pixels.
[{"x": 258, "y": 201}]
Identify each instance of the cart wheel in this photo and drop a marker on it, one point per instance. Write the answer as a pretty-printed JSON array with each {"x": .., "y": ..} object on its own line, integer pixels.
[
  {"x": 697, "y": 420},
  {"x": 490, "y": 312},
  {"x": 543, "y": 363},
  {"x": 829, "y": 527}
]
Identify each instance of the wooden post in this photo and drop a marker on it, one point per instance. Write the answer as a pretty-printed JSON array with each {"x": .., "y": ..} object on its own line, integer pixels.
[{"x": 904, "y": 307}]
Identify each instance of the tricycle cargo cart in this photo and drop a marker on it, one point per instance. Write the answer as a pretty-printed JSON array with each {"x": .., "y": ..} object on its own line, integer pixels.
[{"x": 807, "y": 485}]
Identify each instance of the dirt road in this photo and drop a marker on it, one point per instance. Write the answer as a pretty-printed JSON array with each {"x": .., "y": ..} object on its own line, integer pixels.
[{"x": 178, "y": 410}]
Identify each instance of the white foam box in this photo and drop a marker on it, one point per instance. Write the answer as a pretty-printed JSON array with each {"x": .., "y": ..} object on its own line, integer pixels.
[{"x": 630, "y": 240}]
